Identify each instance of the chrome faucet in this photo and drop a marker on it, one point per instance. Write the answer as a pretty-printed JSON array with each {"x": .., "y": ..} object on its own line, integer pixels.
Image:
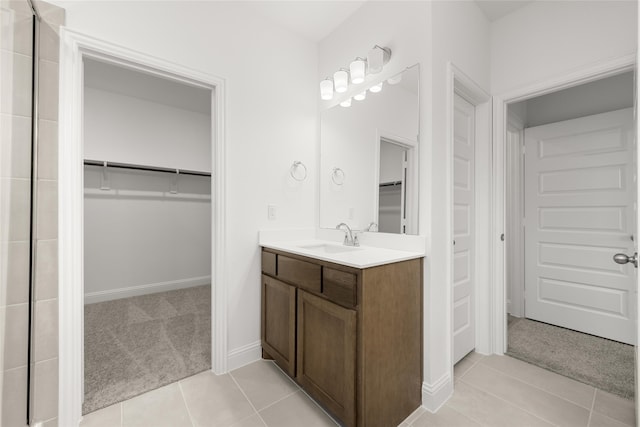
[
  {"x": 349, "y": 238},
  {"x": 372, "y": 227}
]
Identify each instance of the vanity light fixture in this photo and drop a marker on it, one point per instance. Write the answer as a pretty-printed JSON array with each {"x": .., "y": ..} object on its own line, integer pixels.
[
  {"x": 341, "y": 80},
  {"x": 376, "y": 88},
  {"x": 357, "y": 73},
  {"x": 377, "y": 58},
  {"x": 357, "y": 69},
  {"x": 360, "y": 96},
  {"x": 346, "y": 103},
  {"x": 326, "y": 89}
]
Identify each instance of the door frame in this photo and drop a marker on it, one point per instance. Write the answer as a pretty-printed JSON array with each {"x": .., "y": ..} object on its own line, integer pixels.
[
  {"x": 588, "y": 74},
  {"x": 75, "y": 46},
  {"x": 460, "y": 83}
]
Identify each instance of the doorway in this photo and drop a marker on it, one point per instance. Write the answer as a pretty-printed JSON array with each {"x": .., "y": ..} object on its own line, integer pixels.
[
  {"x": 397, "y": 177},
  {"x": 147, "y": 232},
  {"x": 570, "y": 194},
  {"x": 76, "y": 48}
]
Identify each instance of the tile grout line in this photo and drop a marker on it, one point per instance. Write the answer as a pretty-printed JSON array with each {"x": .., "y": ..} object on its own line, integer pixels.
[
  {"x": 508, "y": 403},
  {"x": 470, "y": 368},
  {"x": 538, "y": 388},
  {"x": 248, "y": 400},
  {"x": 320, "y": 407},
  {"x": 184, "y": 399},
  {"x": 593, "y": 405},
  {"x": 465, "y": 415}
]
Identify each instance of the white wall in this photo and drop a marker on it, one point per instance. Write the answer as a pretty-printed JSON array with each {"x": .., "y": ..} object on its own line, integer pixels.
[
  {"x": 140, "y": 238},
  {"x": 431, "y": 33},
  {"x": 546, "y": 39},
  {"x": 271, "y": 120},
  {"x": 127, "y": 129},
  {"x": 391, "y": 159},
  {"x": 460, "y": 34}
]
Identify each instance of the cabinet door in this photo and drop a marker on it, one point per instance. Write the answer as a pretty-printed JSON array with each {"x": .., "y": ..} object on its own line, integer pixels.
[
  {"x": 279, "y": 322},
  {"x": 327, "y": 354}
]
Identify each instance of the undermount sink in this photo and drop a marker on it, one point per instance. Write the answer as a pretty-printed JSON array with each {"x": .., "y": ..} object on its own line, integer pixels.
[{"x": 328, "y": 248}]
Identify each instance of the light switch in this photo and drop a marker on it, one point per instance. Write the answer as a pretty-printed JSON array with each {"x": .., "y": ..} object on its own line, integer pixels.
[{"x": 271, "y": 212}]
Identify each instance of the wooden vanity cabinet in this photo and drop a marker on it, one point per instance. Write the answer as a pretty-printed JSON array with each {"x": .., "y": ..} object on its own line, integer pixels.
[
  {"x": 351, "y": 338},
  {"x": 279, "y": 322}
]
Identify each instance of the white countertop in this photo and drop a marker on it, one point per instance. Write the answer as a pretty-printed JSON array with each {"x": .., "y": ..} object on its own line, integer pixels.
[{"x": 358, "y": 257}]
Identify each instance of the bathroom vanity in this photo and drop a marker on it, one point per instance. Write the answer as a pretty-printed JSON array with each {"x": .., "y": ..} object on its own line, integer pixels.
[{"x": 348, "y": 332}]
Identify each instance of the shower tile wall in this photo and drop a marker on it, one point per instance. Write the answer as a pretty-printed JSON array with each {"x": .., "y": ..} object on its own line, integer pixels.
[{"x": 15, "y": 126}]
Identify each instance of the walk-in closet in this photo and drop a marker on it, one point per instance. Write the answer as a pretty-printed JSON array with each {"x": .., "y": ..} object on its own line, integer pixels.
[{"x": 147, "y": 232}]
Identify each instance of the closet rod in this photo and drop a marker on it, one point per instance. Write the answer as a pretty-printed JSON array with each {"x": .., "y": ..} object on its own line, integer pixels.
[
  {"x": 144, "y": 168},
  {"x": 390, "y": 184}
]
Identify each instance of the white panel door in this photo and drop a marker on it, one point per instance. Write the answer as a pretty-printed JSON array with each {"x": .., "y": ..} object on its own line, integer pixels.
[
  {"x": 580, "y": 192},
  {"x": 463, "y": 228}
]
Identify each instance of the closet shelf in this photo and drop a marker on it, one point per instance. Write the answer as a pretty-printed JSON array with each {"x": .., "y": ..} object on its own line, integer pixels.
[{"x": 144, "y": 167}]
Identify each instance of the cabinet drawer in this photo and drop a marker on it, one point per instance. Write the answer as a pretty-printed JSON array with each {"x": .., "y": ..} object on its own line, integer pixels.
[
  {"x": 269, "y": 263},
  {"x": 339, "y": 286},
  {"x": 303, "y": 274}
]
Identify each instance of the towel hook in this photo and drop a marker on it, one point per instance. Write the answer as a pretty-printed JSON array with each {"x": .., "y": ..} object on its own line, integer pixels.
[{"x": 294, "y": 167}]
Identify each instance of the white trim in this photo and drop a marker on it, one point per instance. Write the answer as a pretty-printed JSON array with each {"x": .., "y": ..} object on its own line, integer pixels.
[
  {"x": 514, "y": 242},
  {"x": 148, "y": 288},
  {"x": 587, "y": 74},
  {"x": 242, "y": 356},
  {"x": 73, "y": 48},
  {"x": 435, "y": 395},
  {"x": 458, "y": 82}
]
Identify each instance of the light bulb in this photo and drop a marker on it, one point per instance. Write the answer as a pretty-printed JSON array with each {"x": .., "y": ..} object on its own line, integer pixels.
[
  {"x": 360, "y": 96},
  {"x": 341, "y": 80},
  {"x": 346, "y": 103},
  {"x": 376, "y": 88},
  {"x": 326, "y": 89},
  {"x": 377, "y": 57},
  {"x": 357, "y": 70}
]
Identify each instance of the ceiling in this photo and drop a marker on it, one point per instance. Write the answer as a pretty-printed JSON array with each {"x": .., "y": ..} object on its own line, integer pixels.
[
  {"x": 316, "y": 19},
  {"x": 312, "y": 19},
  {"x": 129, "y": 82},
  {"x": 496, "y": 9}
]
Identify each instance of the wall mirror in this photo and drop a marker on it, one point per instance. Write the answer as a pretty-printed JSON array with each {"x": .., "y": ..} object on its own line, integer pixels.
[{"x": 369, "y": 159}]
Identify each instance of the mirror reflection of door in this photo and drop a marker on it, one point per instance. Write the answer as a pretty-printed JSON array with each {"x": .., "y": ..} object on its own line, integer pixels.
[{"x": 392, "y": 200}]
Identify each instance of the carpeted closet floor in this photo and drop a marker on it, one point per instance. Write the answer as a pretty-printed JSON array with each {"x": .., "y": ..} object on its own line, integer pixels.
[
  {"x": 137, "y": 344},
  {"x": 602, "y": 363}
]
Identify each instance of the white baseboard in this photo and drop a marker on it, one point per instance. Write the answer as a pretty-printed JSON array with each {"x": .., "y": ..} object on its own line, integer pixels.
[
  {"x": 435, "y": 395},
  {"x": 151, "y": 288},
  {"x": 244, "y": 355}
]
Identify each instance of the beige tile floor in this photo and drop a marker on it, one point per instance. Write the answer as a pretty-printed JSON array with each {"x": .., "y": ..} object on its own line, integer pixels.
[{"x": 489, "y": 391}]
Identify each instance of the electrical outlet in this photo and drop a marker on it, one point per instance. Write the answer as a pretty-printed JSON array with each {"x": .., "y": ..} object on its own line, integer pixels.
[
  {"x": 352, "y": 213},
  {"x": 271, "y": 212}
]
